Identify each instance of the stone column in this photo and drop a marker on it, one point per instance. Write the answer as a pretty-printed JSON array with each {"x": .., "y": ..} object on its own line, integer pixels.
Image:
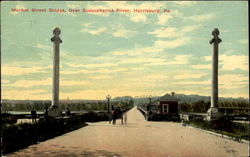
[
  {"x": 56, "y": 58},
  {"x": 213, "y": 111}
]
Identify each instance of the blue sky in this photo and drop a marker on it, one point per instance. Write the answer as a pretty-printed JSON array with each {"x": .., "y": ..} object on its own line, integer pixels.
[{"x": 122, "y": 54}]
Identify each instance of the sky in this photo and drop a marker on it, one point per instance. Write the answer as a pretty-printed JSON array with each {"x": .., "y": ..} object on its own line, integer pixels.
[{"x": 123, "y": 54}]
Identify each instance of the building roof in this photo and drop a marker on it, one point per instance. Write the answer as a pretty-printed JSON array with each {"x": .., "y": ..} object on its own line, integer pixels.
[{"x": 168, "y": 97}]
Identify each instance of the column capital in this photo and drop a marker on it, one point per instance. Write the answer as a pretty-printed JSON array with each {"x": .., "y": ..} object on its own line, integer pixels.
[
  {"x": 216, "y": 38},
  {"x": 56, "y": 38}
]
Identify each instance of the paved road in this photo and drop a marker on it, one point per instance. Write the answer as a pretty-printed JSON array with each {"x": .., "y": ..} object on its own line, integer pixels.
[{"x": 138, "y": 138}]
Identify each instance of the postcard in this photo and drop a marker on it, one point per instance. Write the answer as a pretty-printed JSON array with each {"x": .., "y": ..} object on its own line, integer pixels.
[{"x": 129, "y": 64}]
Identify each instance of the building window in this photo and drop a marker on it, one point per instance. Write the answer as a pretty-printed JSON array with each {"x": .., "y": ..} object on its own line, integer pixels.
[{"x": 165, "y": 108}]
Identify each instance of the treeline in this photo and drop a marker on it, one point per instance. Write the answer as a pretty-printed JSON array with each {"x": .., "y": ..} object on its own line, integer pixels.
[
  {"x": 73, "y": 105},
  {"x": 224, "y": 105}
]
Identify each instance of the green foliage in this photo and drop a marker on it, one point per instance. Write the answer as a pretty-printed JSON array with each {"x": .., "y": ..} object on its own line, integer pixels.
[
  {"x": 199, "y": 106},
  {"x": 223, "y": 126}
]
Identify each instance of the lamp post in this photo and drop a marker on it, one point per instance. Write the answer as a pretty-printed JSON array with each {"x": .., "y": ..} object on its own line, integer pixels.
[
  {"x": 150, "y": 101},
  {"x": 108, "y": 97}
]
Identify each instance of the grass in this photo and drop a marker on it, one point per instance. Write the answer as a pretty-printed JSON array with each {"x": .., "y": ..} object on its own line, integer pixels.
[{"x": 223, "y": 126}]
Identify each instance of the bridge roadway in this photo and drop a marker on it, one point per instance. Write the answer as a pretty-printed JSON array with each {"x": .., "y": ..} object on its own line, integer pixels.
[{"x": 139, "y": 138}]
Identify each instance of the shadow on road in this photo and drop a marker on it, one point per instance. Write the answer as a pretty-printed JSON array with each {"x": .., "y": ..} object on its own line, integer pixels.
[
  {"x": 110, "y": 125},
  {"x": 70, "y": 153}
]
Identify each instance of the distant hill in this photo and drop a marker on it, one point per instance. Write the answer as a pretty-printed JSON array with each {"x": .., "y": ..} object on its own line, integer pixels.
[
  {"x": 191, "y": 99},
  {"x": 141, "y": 100},
  {"x": 123, "y": 98}
]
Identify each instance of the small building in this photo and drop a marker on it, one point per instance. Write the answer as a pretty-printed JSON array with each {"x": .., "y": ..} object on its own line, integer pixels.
[
  {"x": 165, "y": 107},
  {"x": 166, "y": 104}
]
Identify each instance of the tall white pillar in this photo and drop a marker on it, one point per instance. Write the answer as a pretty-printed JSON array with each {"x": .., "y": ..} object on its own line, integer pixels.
[
  {"x": 54, "y": 111},
  {"x": 213, "y": 112}
]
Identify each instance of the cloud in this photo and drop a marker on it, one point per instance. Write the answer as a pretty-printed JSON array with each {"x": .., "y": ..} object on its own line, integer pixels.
[
  {"x": 201, "y": 91},
  {"x": 185, "y": 3},
  {"x": 189, "y": 76},
  {"x": 94, "y": 31},
  {"x": 101, "y": 93},
  {"x": 92, "y": 65},
  {"x": 41, "y": 46},
  {"x": 173, "y": 32},
  {"x": 37, "y": 94},
  {"x": 177, "y": 60},
  {"x": 154, "y": 77},
  {"x": 228, "y": 62},
  {"x": 86, "y": 24},
  {"x": 46, "y": 82},
  {"x": 64, "y": 82},
  {"x": 138, "y": 18},
  {"x": 31, "y": 83},
  {"x": 123, "y": 33},
  {"x": 243, "y": 41},
  {"x": 163, "y": 19},
  {"x": 207, "y": 58},
  {"x": 100, "y": 65},
  {"x": 206, "y": 82},
  {"x": 138, "y": 60},
  {"x": 108, "y": 71},
  {"x": 201, "y": 18},
  {"x": 181, "y": 59},
  {"x": 13, "y": 70},
  {"x": 201, "y": 66},
  {"x": 105, "y": 71},
  {"x": 169, "y": 44},
  {"x": 136, "y": 51},
  {"x": 159, "y": 45},
  {"x": 232, "y": 81},
  {"x": 70, "y": 72},
  {"x": 234, "y": 62},
  {"x": 101, "y": 77},
  {"x": 5, "y": 81}
]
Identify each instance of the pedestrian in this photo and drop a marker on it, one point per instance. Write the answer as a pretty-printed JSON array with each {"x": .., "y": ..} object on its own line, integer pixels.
[
  {"x": 33, "y": 115},
  {"x": 68, "y": 112},
  {"x": 125, "y": 118},
  {"x": 110, "y": 117},
  {"x": 114, "y": 116},
  {"x": 121, "y": 119},
  {"x": 46, "y": 112}
]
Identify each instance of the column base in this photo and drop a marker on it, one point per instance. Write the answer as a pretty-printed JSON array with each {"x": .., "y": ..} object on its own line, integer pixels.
[
  {"x": 54, "y": 111},
  {"x": 213, "y": 113}
]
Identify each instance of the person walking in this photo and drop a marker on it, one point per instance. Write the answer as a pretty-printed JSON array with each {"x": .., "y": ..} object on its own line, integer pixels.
[
  {"x": 67, "y": 112},
  {"x": 122, "y": 119},
  {"x": 46, "y": 112},
  {"x": 33, "y": 115},
  {"x": 114, "y": 116},
  {"x": 125, "y": 118},
  {"x": 110, "y": 117}
]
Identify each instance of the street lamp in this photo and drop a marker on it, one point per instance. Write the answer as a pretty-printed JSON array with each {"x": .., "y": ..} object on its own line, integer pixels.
[
  {"x": 149, "y": 107},
  {"x": 108, "y": 97},
  {"x": 150, "y": 101}
]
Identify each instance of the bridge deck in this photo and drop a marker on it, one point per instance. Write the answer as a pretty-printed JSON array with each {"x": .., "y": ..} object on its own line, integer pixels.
[{"x": 138, "y": 138}]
